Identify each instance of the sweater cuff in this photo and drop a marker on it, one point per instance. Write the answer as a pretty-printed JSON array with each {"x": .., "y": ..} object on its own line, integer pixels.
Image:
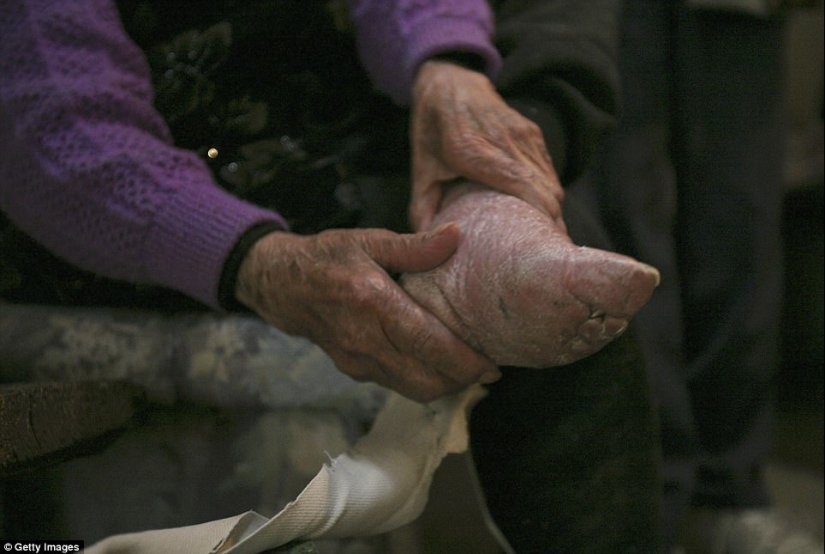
[
  {"x": 467, "y": 60},
  {"x": 229, "y": 276},
  {"x": 447, "y": 36},
  {"x": 193, "y": 235}
]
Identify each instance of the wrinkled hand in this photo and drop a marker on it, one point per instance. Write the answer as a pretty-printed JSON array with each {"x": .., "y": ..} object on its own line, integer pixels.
[
  {"x": 461, "y": 127},
  {"x": 334, "y": 288}
]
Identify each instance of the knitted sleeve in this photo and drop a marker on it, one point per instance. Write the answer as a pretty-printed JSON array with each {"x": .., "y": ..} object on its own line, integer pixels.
[
  {"x": 395, "y": 36},
  {"x": 87, "y": 167}
]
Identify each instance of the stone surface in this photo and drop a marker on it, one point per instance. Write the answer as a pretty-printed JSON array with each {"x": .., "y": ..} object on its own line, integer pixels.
[{"x": 44, "y": 423}]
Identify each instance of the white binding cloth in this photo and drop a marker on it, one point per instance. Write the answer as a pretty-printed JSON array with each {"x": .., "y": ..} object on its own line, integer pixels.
[{"x": 378, "y": 485}]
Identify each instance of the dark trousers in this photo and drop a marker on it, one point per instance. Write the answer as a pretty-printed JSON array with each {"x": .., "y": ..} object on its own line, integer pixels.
[
  {"x": 568, "y": 457},
  {"x": 692, "y": 184}
]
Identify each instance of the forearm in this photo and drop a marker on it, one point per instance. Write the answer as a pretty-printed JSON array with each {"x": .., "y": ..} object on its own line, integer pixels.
[{"x": 88, "y": 168}]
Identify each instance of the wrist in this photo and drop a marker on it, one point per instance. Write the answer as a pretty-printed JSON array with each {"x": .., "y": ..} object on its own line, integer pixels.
[
  {"x": 230, "y": 275},
  {"x": 440, "y": 74}
]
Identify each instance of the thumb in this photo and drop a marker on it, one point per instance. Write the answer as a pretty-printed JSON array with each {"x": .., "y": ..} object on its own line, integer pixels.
[
  {"x": 423, "y": 207},
  {"x": 414, "y": 252}
]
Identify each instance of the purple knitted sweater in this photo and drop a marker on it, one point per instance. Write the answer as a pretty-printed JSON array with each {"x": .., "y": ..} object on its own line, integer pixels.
[{"x": 87, "y": 165}]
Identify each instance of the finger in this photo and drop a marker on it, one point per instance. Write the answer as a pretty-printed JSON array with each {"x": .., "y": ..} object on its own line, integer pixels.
[
  {"x": 422, "y": 211},
  {"x": 436, "y": 350},
  {"x": 539, "y": 197},
  {"x": 428, "y": 174},
  {"x": 517, "y": 178},
  {"x": 424, "y": 205},
  {"x": 527, "y": 140},
  {"x": 418, "y": 355},
  {"x": 407, "y": 377},
  {"x": 517, "y": 174},
  {"x": 413, "y": 252}
]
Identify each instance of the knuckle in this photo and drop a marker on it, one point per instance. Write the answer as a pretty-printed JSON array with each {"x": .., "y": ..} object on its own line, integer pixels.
[
  {"x": 422, "y": 341},
  {"x": 532, "y": 128},
  {"x": 358, "y": 375},
  {"x": 526, "y": 127},
  {"x": 353, "y": 368},
  {"x": 369, "y": 290}
]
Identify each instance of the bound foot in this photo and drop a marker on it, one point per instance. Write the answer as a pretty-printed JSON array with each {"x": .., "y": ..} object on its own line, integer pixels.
[{"x": 518, "y": 289}]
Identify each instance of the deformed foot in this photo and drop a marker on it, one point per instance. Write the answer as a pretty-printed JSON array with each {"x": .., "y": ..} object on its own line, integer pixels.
[{"x": 519, "y": 290}]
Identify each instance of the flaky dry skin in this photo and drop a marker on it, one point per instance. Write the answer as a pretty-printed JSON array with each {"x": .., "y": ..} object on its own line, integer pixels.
[{"x": 520, "y": 291}]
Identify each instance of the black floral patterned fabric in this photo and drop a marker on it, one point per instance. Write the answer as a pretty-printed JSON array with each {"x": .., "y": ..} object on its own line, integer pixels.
[{"x": 271, "y": 95}]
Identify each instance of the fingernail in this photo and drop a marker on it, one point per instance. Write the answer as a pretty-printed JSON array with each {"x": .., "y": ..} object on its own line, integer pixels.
[
  {"x": 443, "y": 228},
  {"x": 489, "y": 378}
]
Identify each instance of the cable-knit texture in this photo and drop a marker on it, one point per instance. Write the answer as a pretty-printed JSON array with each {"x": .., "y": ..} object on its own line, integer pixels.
[
  {"x": 87, "y": 166},
  {"x": 394, "y": 38}
]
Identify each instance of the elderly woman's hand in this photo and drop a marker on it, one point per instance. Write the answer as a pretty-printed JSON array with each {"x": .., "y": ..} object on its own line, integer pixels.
[
  {"x": 334, "y": 288},
  {"x": 461, "y": 127}
]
